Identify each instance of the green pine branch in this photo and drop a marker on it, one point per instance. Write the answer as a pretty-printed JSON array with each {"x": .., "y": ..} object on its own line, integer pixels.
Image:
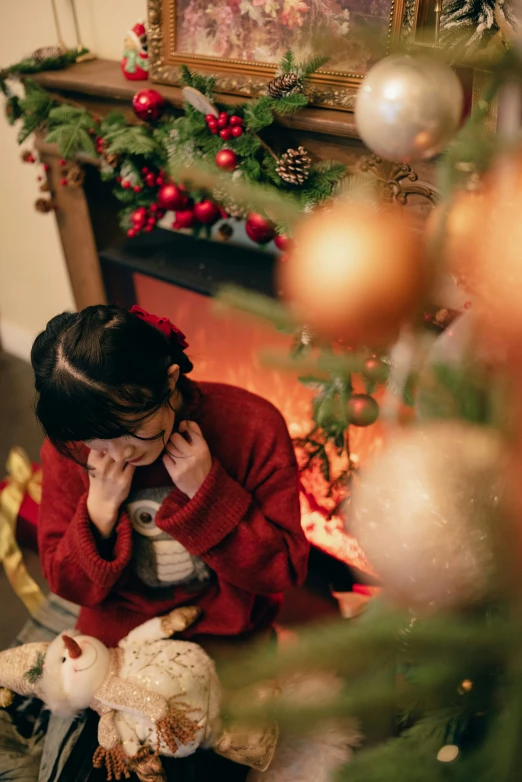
[
  {"x": 288, "y": 63},
  {"x": 289, "y": 104},
  {"x": 306, "y": 69},
  {"x": 69, "y": 128},
  {"x": 35, "y": 107},
  {"x": 259, "y": 114},
  {"x": 131, "y": 140}
]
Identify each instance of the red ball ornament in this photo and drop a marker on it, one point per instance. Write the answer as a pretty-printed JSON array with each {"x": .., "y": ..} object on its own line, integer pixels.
[
  {"x": 139, "y": 215},
  {"x": 226, "y": 159},
  {"x": 214, "y": 129},
  {"x": 375, "y": 370},
  {"x": 235, "y": 120},
  {"x": 236, "y": 131},
  {"x": 160, "y": 180},
  {"x": 226, "y": 134},
  {"x": 150, "y": 179},
  {"x": 171, "y": 197},
  {"x": 282, "y": 243},
  {"x": 148, "y": 105},
  {"x": 184, "y": 219},
  {"x": 210, "y": 117},
  {"x": 207, "y": 212},
  {"x": 144, "y": 170},
  {"x": 137, "y": 189},
  {"x": 126, "y": 184},
  {"x": 223, "y": 121},
  {"x": 258, "y": 229},
  {"x": 131, "y": 232},
  {"x": 153, "y": 208},
  {"x": 363, "y": 410}
]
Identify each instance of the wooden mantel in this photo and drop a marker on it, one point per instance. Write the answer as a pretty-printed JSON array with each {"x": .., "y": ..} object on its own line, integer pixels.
[{"x": 87, "y": 216}]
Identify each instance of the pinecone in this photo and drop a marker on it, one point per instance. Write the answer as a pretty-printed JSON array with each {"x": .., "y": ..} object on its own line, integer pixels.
[
  {"x": 111, "y": 159},
  {"x": 225, "y": 232},
  {"x": 27, "y": 156},
  {"x": 294, "y": 166},
  {"x": 47, "y": 53},
  {"x": 75, "y": 176},
  {"x": 43, "y": 205},
  {"x": 284, "y": 85},
  {"x": 45, "y": 187}
]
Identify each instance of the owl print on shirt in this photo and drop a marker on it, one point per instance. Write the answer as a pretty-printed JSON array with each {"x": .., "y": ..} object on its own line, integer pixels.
[{"x": 159, "y": 560}]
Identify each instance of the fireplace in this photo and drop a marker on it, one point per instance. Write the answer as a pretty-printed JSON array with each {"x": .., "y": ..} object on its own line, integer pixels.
[{"x": 174, "y": 275}]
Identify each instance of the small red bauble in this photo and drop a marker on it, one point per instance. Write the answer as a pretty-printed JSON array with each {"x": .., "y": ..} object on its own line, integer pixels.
[
  {"x": 139, "y": 215},
  {"x": 362, "y": 409},
  {"x": 171, "y": 197},
  {"x": 148, "y": 228},
  {"x": 207, "y": 212},
  {"x": 210, "y": 117},
  {"x": 153, "y": 208},
  {"x": 160, "y": 180},
  {"x": 184, "y": 219},
  {"x": 63, "y": 182},
  {"x": 214, "y": 129},
  {"x": 226, "y": 159},
  {"x": 148, "y": 105},
  {"x": 63, "y": 162},
  {"x": 236, "y": 131},
  {"x": 126, "y": 184},
  {"x": 282, "y": 242},
  {"x": 137, "y": 189},
  {"x": 144, "y": 170},
  {"x": 150, "y": 179},
  {"x": 258, "y": 229},
  {"x": 226, "y": 134},
  {"x": 131, "y": 232},
  {"x": 222, "y": 121},
  {"x": 235, "y": 120}
]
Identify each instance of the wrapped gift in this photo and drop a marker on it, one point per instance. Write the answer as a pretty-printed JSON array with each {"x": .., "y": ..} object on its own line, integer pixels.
[{"x": 20, "y": 495}]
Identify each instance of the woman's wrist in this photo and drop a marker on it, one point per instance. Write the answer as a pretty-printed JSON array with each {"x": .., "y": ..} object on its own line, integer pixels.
[{"x": 103, "y": 518}]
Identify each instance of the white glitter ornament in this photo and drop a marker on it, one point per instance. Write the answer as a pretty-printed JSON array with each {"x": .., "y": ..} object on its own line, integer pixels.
[
  {"x": 422, "y": 511},
  {"x": 408, "y": 108}
]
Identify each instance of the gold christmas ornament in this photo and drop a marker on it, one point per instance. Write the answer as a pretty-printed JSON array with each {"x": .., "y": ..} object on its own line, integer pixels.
[
  {"x": 294, "y": 166},
  {"x": 349, "y": 281},
  {"x": 284, "y": 85},
  {"x": 423, "y": 511},
  {"x": 408, "y": 108}
]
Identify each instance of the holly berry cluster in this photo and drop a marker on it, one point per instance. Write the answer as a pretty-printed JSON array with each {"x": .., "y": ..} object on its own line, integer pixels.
[
  {"x": 144, "y": 219},
  {"x": 227, "y": 126}
]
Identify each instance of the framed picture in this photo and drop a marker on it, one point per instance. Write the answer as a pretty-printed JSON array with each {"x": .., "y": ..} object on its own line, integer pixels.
[{"x": 241, "y": 42}]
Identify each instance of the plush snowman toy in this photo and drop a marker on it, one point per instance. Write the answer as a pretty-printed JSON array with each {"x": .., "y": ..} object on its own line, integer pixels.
[{"x": 154, "y": 696}]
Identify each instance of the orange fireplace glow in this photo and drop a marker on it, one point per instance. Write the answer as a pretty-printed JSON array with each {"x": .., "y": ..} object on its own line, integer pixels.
[{"x": 226, "y": 348}]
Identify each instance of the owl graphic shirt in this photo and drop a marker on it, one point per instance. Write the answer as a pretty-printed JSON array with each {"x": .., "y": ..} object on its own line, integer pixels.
[{"x": 157, "y": 558}]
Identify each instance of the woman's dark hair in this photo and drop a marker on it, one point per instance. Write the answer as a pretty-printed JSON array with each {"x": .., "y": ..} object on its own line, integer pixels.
[{"x": 101, "y": 373}]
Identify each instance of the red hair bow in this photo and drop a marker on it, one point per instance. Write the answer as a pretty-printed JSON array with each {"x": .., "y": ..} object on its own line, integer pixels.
[{"x": 162, "y": 324}]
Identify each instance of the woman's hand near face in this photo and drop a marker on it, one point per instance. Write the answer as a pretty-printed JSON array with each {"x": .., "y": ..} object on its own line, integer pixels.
[
  {"x": 109, "y": 487},
  {"x": 187, "y": 458}
]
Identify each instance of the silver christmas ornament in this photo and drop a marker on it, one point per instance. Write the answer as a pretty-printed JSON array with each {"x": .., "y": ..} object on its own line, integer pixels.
[
  {"x": 423, "y": 511},
  {"x": 408, "y": 108}
]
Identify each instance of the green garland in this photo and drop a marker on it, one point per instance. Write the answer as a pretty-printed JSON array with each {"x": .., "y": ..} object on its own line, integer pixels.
[{"x": 127, "y": 152}]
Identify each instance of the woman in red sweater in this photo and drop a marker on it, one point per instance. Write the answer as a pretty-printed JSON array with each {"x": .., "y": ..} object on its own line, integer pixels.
[{"x": 157, "y": 491}]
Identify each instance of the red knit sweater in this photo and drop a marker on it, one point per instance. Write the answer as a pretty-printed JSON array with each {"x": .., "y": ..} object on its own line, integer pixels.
[{"x": 232, "y": 549}]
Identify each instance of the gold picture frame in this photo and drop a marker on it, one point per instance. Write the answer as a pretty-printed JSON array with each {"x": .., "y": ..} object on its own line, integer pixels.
[{"x": 328, "y": 88}]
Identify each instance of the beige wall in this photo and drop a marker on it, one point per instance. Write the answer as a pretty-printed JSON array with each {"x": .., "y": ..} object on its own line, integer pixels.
[{"x": 33, "y": 279}]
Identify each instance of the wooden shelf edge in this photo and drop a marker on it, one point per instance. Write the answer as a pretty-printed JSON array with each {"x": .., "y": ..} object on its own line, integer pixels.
[{"x": 104, "y": 79}]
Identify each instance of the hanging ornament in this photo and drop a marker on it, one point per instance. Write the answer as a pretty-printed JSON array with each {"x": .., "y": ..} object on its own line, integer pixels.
[
  {"x": 226, "y": 159},
  {"x": 284, "y": 85},
  {"x": 185, "y": 218},
  {"x": 75, "y": 176},
  {"x": 375, "y": 370},
  {"x": 348, "y": 280},
  {"x": 408, "y": 108},
  {"x": 294, "y": 166},
  {"x": 282, "y": 243},
  {"x": 422, "y": 512},
  {"x": 259, "y": 229},
  {"x": 172, "y": 197},
  {"x": 362, "y": 410},
  {"x": 207, "y": 212},
  {"x": 44, "y": 205},
  {"x": 148, "y": 105},
  {"x": 139, "y": 217}
]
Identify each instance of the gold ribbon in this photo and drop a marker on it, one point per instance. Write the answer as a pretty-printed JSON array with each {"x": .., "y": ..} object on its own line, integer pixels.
[{"x": 20, "y": 481}]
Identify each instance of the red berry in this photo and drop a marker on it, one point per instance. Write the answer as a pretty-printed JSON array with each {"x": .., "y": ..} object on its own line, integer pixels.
[
  {"x": 153, "y": 208},
  {"x": 212, "y": 125},
  {"x": 210, "y": 118},
  {"x": 223, "y": 121},
  {"x": 97, "y": 120},
  {"x": 131, "y": 232},
  {"x": 236, "y": 131},
  {"x": 38, "y": 178},
  {"x": 137, "y": 189},
  {"x": 149, "y": 228},
  {"x": 226, "y": 134},
  {"x": 63, "y": 162},
  {"x": 91, "y": 131},
  {"x": 235, "y": 120},
  {"x": 150, "y": 179},
  {"x": 127, "y": 185},
  {"x": 214, "y": 129},
  {"x": 47, "y": 167},
  {"x": 119, "y": 180},
  {"x": 151, "y": 221},
  {"x": 63, "y": 182},
  {"x": 160, "y": 181},
  {"x": 161, "y": 213},
  {"x": 144, "y": 170},
  {"x": 282, "y": 242},
  {"x": 223, "y": 114}
]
